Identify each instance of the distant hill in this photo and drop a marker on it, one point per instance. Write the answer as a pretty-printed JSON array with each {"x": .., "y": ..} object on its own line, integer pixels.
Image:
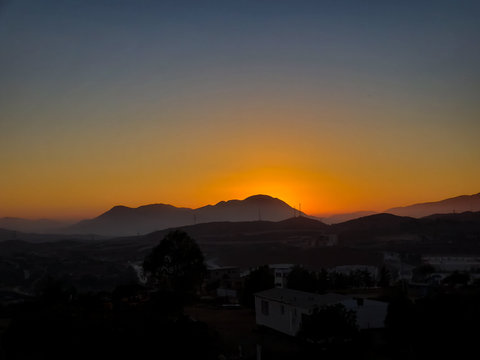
[
  {"x": 457, "y": 204},
  {"x": 122, "y": 220},
  {"x": 442, "y": 233},
  {"x": 378, "y": 222},
  {"x": 6, "y": 235},
  {"x": 32, "y": 226},
  {"x": 339, "y": 218}
]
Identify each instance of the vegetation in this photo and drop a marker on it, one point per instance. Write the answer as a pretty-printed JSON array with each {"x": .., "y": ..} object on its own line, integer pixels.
[
  {"x": 322, "y": 281},
  {"x": 131, "y": 321},
  {"x": 258, "y": 280},
  {"x": 384, "y": 277},
  {"x": 333, "y": 323},
  {"x": 176, "y": 264},
  {"x": 302, "y": 279},
  {"x": 104, "y": 326},
  {"x": 437, "y": 326}
]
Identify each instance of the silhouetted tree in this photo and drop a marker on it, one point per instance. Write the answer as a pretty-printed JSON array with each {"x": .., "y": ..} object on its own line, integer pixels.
[
  {"x": 384, "y": 277},
  {"x": 323, "y": 281},
  {"x": 366, "y": 279},
  {"x": 302, "y": 279},
  {"x": 53, "y": 290},
  {"x": 258, "y": 280},
  {"x": 333, "y": 322},
  {"x": 176, "y": 264},
  {"x": 339, "y": 280},
  {"x": 420, "y": 273},
  {"x": 457, "y": 278}
]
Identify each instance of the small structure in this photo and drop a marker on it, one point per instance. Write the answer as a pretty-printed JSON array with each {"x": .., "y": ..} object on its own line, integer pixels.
[
  {"x": 283, "y": 309},
  {"x": 453, "y": 263},
  {"x": 400, "y": 270},
  {"x": 280, "y": 273},
  {"x": 349, "y": 269},
  {"x": 224, "y": 283}
]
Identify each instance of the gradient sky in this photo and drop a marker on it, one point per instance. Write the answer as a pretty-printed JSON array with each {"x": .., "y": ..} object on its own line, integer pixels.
[{"x": 338, "y": 105}]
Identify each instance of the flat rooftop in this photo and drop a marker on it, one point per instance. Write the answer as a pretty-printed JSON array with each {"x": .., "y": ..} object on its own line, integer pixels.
[{"x": 301, "y": 299}]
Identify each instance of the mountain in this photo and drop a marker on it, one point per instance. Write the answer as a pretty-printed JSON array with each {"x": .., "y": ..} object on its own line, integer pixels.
[
  {"x": 32, "y": 226},
  {"x": 126, "y": 221},
  {"x": 439, "y": 233},
  {"x": 339, "y": 218},
  {"x": 122, "y": 220},
  {"x": 6, "y": 235},
  {"x": 374, "y": 223},
  {"x": 457, "y": 204}
]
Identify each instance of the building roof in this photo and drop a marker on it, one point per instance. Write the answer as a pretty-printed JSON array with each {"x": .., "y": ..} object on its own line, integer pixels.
[
  {"x": 276, "y": 266},
  {"x": 212, "y": 268},
  {"x": 300, "y": 299}
]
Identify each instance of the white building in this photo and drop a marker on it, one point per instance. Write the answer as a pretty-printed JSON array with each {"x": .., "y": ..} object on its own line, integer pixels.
[
  {"x": 453, "y": 263},
  {"x": 348, "y": 269},
  {"x": 280, "y": 273},
  {"x": 282, "y": 309}
]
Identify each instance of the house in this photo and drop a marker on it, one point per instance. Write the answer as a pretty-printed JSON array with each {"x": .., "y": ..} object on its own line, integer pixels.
[
  {"x": 223, "y": 283},
  {"x": 350, "y": 269},
  {"x": 453, "y": 263},
  {"x": 226, "y": 277},
  {"x": 283, "y": 309},
  {"x": 280, "y": 273}
]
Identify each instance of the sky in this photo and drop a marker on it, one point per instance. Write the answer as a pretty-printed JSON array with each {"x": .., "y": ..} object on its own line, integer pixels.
[{"x": 337, "y": 105}]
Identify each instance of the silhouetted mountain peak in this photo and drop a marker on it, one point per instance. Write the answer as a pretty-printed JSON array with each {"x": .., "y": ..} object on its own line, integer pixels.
[
  {"x": 263, "y": 198},
  {"x": 123, "y": 220},
  {"x": 254, "y": 200},
  {"x": 119, "y": 208}
]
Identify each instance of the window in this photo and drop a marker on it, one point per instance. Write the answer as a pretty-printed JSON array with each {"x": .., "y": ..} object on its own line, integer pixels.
[{"x": 265, "y": 307}]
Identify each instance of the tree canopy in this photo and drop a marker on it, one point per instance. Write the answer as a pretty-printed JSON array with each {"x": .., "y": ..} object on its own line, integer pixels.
[
  {"x": 175, "y": 264},
  {"x": 258, "y": 280},
  {"x": 332, "y": 321},
  {"x": 303, "y": 280}
]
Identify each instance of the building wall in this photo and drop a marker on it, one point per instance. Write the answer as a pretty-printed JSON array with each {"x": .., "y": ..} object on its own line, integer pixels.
[
  {"x": 287, "y": 321},
  {"x": 453, "y": 263},
  {"x": 370, "y": 314},
  {"x": 280, "y": 273}
]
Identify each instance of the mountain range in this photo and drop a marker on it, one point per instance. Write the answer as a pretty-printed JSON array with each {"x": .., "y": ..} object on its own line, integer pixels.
[
  {"x": 457, "y": 204},
  {"x": 126, "y": 221},
  {"x": 122, "y": 220}
]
